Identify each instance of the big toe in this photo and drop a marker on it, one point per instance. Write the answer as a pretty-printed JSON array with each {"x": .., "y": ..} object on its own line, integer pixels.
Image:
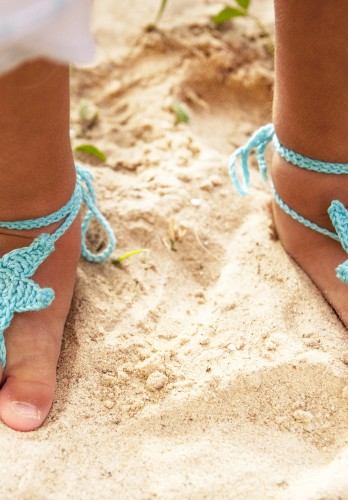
[{"x": 25, "y": 399}]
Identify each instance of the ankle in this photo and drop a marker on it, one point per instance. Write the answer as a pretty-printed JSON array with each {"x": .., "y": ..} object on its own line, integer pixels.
[
  {"x": 37, "y": 173},
  {"x": 322, "y": 140},
  {"x": 35, "y": 191}
]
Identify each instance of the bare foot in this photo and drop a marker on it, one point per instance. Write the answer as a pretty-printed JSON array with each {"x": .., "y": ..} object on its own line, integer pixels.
[
  {"x": 33, "y": 340},
  {"x": 310, "y": 194},
  {"x": 37, "y": 177}
]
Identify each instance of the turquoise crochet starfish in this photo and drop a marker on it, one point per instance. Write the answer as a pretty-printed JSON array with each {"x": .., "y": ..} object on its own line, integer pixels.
[{"x": 18, "y": 292}]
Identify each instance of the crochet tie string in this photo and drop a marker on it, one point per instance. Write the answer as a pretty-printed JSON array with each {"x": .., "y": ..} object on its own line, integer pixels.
[
  {"x": 337, "y": 211},
  {"x": 19, "y": 293},
  {"x": 89, "y": 198}
]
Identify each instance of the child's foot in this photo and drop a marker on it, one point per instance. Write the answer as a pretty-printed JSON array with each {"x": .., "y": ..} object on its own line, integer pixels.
[
  {"x": 37, "y": 177},
  {"x": 310, "y": 194},
  {"x": 33, "y": 340}
]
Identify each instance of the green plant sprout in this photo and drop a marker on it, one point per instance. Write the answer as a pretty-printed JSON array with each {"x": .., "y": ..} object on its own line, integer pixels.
[
  {"x": 160, "y": 12},
  {"x": 242, "y": 9},
  {"x": 117, "y": 262},
  {"x": 88, "y": 115},
  {"x": 175, "y": 234},
  {"x": 180, "y": 111}
]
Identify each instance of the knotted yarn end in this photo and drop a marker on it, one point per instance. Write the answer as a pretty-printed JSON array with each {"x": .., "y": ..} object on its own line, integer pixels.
[{"x": 259, "y": 141}]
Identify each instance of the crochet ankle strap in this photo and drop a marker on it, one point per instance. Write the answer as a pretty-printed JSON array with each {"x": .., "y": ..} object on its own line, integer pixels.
[
  {"x": 19, "y": 293},
  {"x": 337, "y": 211}
]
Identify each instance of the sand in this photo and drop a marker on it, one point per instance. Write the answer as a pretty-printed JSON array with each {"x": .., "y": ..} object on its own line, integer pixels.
[{"x": 211, "y": 370}]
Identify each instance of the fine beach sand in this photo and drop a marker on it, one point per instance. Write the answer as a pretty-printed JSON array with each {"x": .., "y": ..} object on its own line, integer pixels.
[{"x": 213, "y": 371}]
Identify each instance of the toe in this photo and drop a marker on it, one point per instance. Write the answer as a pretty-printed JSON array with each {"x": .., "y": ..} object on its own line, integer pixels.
[
  {"x": 25, "y": 404},
  {"x": 33, "y": 341},
  {"x": 28, "y": 387}
]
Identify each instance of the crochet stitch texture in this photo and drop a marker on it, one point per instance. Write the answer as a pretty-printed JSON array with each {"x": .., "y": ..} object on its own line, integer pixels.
[
  {"x": 19, "y": 293},
  {"x": 337, "y": 211}
]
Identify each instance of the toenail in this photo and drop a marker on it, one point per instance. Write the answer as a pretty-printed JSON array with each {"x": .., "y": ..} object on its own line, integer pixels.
[{"x": 26, "y": 410}]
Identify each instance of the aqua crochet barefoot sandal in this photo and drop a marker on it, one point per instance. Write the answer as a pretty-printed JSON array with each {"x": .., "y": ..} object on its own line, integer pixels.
[
  {"x": 337, "y": 211},
  {"x": 18, "y": 292}
]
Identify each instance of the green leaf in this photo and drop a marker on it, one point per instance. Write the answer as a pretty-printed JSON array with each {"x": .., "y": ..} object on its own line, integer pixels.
[
  {"x": 227, "y": 13},
  {"x": 245, "y": 4},
  {"x": 127, "y": 255},
  {"x": 181, "y": 114},
  {"x": 91, "y": 150}
]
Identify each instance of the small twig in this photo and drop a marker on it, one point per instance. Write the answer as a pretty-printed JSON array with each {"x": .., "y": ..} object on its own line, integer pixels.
[{"x": 199, "y": 241}]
